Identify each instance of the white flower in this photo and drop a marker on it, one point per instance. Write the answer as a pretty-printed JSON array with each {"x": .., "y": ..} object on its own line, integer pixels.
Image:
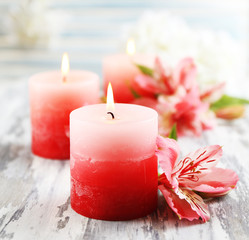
[{"x": 33, "y": 23}]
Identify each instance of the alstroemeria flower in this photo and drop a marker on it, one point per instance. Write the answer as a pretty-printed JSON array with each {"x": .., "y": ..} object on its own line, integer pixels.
[
  {"x": 174, "y": 94},
  {"x": 186, "y": 111},
  {"x": 194, "y": 173},
  {"x": 166, "y": 80}
]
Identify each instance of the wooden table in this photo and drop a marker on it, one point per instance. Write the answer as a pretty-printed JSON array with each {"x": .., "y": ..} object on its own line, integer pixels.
[{"x": 35, "y": 199}]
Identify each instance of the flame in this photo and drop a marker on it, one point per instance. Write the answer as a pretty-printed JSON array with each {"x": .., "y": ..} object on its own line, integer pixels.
[
  {"x": 110, "y": 100},
  {"x": 130, "y": 47},
  {"x": 64, "y": 66}
]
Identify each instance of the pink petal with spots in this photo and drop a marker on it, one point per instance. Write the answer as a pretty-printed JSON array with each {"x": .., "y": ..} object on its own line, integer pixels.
[
  {"x": 185, "y": 203},
  {"x": 201, "y": 160},
  {"x": 217, "y": 182}
]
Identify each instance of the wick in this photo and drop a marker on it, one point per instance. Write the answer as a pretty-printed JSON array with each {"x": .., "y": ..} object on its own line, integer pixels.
[{"x": 111, "y": 114}]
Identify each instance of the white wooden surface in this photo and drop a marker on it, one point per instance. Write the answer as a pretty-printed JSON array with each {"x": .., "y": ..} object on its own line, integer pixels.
[{"x": 35, "y": 199}]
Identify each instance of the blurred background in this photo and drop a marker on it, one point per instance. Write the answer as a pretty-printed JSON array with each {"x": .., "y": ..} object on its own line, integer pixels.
[{"x": 35, "y": 33}]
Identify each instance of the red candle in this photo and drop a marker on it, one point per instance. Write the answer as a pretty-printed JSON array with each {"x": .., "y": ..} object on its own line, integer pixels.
[
  {"x": 120, "y": 70},
  {"x": 113, "y": 162},
  {"x": 53, "y": 95}
]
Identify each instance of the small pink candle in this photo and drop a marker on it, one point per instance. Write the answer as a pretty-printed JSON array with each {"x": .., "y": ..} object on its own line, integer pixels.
[
  {"x": 53, "y": 95},
  {"x": 120, "y": 70},
  {"x": 113, "y": 162}
]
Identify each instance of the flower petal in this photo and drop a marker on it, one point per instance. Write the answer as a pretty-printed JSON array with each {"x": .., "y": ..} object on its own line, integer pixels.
[
  {"x": 185, "y": 203},
  {"x": 207, "y": 157},
  {"x": 167, "y": 154},
  {"x": 188, "y": 113},
  {"x": 201, "y": 160},
  {"x": 164, "y": 76},
  {"x": 217, "y": 182},
  {"x": 148, "y": 84},
  {"x": 214, "y": 93},
  {"x": 185, "y": 73},
  {"x": 208, "y": 120},
  {"x": 162, "y": 180},
  {"x": 196, "y": 203}
]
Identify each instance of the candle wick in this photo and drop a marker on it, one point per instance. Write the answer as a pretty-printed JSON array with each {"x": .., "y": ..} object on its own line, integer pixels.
[{"x": 111, "y": 114}]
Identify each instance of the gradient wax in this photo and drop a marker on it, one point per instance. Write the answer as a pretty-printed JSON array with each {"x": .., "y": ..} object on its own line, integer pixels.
[{"x": 113, "y": 162}]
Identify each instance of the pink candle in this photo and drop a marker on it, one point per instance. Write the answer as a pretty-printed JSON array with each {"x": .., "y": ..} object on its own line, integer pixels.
[
  {"x": 120, "y": 70},
  {"x": 52, "y": 98},
  {"x": 113, "y": 162}
]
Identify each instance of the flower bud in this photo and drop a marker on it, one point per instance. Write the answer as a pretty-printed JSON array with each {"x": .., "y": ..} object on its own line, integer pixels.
[{"x": 230, "y": 112}]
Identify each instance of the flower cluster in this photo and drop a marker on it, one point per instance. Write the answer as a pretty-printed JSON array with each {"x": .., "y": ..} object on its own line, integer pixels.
[
  {"x": 175, "y": 94},
  {"x": 184, "y": 182},
  {"x": 169, "y": 36}
]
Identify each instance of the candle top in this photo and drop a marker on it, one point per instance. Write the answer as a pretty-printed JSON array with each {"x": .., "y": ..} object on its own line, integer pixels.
[
  {"x": 55, "y": 77},
  {"x": 124, "y": 114}
]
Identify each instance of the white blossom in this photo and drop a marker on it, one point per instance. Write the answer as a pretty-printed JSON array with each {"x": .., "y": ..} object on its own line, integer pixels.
[{"x": 33, "y": 24}]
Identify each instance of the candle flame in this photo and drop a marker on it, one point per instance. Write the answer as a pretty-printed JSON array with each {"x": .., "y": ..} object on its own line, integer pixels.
[
  {"x": 130, "y": 47},
  {"x": 110, "y": 100},
  {"x": 64, "y": 66}
]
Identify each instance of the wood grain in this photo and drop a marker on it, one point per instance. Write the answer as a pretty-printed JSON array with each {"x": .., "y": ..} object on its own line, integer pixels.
[{"x": 35, "y": 199}]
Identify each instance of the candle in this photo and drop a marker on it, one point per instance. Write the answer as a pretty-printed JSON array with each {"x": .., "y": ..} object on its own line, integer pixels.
[
  {"x": 121, "y": 69},
  {"x": 53, "y": 95},
  {"x": 113, "y": 162}
]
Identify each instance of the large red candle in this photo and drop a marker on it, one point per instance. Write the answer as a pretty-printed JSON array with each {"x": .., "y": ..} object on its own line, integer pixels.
[
  {"x": 113, "y": 162},
  {"x": 53, "y": 96}
]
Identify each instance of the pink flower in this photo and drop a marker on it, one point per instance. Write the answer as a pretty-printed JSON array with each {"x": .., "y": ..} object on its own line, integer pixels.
[
  {"x": 175, "y": 95},
  {"x": 196, "y": 172},
  {"x": 186, "y": 110},
  {"x": 160, "y": 83},
  {"x": 166, "y": 80}
]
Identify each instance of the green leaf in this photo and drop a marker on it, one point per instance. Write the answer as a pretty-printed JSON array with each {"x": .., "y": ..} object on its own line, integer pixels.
[
  {"x": 226, "y": 101},
  {"x": 173, "y": 133},
  {"x": 145, "y": 70},
  {"x": 134, "y": 93}
]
